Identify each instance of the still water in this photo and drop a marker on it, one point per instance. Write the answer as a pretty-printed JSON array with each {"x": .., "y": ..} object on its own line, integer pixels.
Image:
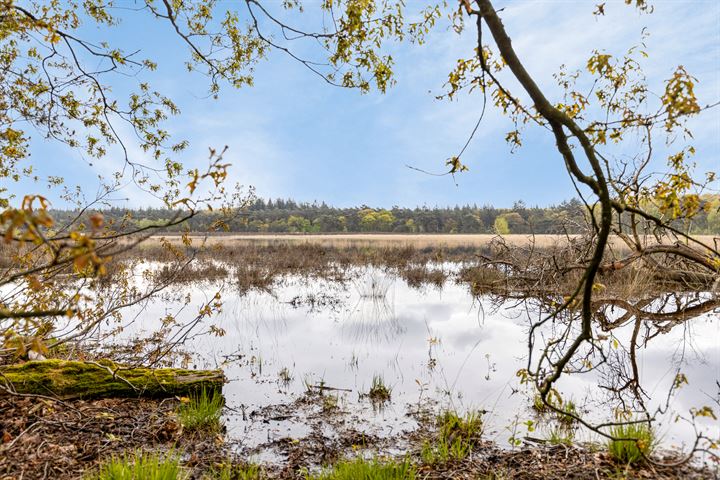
[{"x": 430, "y": 345}]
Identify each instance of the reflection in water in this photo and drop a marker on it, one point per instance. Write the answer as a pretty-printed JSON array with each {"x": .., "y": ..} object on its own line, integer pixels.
[
  {"x": 372, "y": 319},
  {"x": 438, "y": 344},
  {"x": 642, "y": 355}
]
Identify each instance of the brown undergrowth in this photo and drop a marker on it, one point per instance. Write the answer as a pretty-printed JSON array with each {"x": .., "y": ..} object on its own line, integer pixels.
[
  {"x": 43, "y": 439},
  {"x": 536, "y": 267},
  {"x": 257, "y": 266}
]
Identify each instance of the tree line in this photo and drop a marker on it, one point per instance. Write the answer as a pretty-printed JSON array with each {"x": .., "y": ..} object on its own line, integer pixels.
[{"x": 289, "y": 216}]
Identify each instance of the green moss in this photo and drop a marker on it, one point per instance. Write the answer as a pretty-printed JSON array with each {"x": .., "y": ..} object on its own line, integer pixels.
[{"x": 74, "y": 379}]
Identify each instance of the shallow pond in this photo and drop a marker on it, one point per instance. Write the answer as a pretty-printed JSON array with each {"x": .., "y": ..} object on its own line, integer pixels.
[{"x": 438, "y": 346}]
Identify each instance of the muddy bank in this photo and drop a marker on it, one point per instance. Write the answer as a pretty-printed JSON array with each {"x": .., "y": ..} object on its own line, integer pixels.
[{"x": 42, "y": 438}]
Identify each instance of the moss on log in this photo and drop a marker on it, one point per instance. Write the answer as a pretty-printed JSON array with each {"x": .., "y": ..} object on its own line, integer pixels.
[{"x": 73, "y": 379}]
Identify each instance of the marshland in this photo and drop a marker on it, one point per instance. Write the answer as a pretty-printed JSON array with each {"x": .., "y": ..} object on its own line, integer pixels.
[
  {"x": 409, "y": 350},
  {"x": 359, "y": 240}
]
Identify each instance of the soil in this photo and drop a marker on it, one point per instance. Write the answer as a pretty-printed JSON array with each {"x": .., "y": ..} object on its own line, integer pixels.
[{"x": 44, "y": 438}]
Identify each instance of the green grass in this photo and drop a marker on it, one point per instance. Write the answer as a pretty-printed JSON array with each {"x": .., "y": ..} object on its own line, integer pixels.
[
  {"x": 363, "y": 469},
  {"x": 330, "y": 403},
  {"x": 202, "y": 411},
  {"x": 538, "y": 405},
  {"x": 379, "y": 392},
  {"x": 456, "y": 437},
  {"x": 561, "y": 436},
  {"x": 634, "y": 442},
  {"x": 145, "y": 466},
  {"x": 467, "y": 426},
  {"x": 228, "y": 471},
  {"x": 568, "y": 418},
  {"x": 443, "y": 451},
  {"x": 566, "y": 415}
]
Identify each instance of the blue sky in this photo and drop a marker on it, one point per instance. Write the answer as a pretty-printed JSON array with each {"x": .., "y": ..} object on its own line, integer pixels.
[{"x": 293, "y": 136}]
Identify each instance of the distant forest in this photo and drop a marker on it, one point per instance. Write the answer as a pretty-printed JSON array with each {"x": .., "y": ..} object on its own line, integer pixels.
[{"x": 288, "y": 216}]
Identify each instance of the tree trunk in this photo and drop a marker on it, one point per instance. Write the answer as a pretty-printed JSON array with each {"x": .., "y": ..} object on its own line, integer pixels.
[{"x": 73, "y": 379}]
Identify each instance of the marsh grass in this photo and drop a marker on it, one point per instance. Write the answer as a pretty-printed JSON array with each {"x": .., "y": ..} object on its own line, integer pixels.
[
  {"x": 202, "y": 411},
  {"x": 253, "y": 277},
  {"x": 194, "y": 272},
  {"x": 364, "y": 469},
  {"x": 330, "y": 403},
  {"x": 379, "y": 392},
  {"x": 468, "y": 425},
  {"x": 228, "y": 471},
  {"x": 539, "y": 406},
  {"x": 456, "y": 437},
  {"x": 308, "y": 384},
  {"x": 285, "y": 377},
  {"x": 258, "y": 264},
  {"x": 634, "y": 442},
  {"x": 570, "y": 412},
  {"x": 565, "y": 417},
  {"x": 419, "y": 276},
  {"x": 146, "y": 466},
  {"x": 375, "y": 287},
  {"x": 561, "y": 436}
]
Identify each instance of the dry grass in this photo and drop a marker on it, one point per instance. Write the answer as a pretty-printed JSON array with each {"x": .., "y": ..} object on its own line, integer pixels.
[
  {"x": 191, "y": 273},
  {"x": 489, "y": 264},
  {"x": 395, "y": 240},
  {"x": 359, "y": 240}
]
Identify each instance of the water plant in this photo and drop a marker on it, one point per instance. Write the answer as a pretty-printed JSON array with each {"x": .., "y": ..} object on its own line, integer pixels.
[
  {"x": 455, "y": 439},
  {"x": 202, "y": 411},
  {"x": 379, "y": 392},
  {"x": 285, "y": 376},
  {"x": 354, "y": 362},
  {"x": 374, "y": 287},
  {"x": 452, "y": 424},
  {"x": 538, "y": 405},
  {"x": 631, "y": 442},
  {"x": 330, "y": 403},
  {"x": 313, "y": 387},
  {"x": 561, "y": 436},
  {"x": 569, "y": 413},
  {"x": 139, "y": 465},
  {"x": 367, "y": 469}
]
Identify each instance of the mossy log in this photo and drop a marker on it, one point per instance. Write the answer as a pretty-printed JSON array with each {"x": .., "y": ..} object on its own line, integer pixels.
[{"x": 74, "y": 379}]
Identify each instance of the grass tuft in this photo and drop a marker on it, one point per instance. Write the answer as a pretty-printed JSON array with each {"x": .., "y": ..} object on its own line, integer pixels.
[
  {"x": 568, "y": 418},
  {"x": 330, "y": 403},
  {"x": 634, "y": 442},
  {"x": 202, "y": 411},
  {"x": 228, "y": 471},
  {"x": 364, "y": 469},
  {"x": 379, "y": 392},
  {"x": 561, "y": 436},
  {"x": 456, "y": 437},
  {"x": 146, "y": 466},
  {"x": 285, "y": 376}
]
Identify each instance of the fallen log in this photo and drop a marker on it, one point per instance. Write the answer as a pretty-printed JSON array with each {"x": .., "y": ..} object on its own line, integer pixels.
[{"x": 66, "y": 379}]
